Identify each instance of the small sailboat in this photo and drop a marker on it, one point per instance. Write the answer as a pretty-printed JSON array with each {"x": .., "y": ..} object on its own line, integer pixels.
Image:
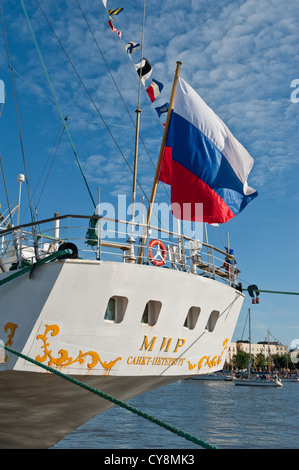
[
  {"x": 290, "y": 379},
  {"x": 260, "y": 380},
  {"x": 216, "y": 376}
]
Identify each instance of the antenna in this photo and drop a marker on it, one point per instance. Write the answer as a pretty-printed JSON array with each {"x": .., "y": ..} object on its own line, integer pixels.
[{"x": 20, "y": 179}]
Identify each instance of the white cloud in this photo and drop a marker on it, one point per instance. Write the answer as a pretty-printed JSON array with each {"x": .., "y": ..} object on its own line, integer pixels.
[{"x": 240, "y": 57}]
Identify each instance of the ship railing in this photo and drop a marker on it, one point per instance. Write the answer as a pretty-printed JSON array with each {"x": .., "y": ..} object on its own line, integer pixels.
[{"x": 104, "y": 238}]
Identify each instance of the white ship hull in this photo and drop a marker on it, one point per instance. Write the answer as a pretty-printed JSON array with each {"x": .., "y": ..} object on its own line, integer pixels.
[
  {"x": 56, "y": 317},
  {"x": 41, "y": 409}
]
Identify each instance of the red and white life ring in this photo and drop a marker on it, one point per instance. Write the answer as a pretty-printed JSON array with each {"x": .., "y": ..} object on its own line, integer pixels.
[{"x": 162, "y": 252}]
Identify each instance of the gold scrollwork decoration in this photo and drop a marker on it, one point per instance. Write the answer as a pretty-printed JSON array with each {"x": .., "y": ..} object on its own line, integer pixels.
[
  {"x": 10, "y": 326},
  {"x": 205, "y": 360},
  {"x": 64, "y": 359}
]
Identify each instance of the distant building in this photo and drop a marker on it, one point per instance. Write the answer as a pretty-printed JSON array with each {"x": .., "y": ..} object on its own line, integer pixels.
[{"x": 262, "y": 347}]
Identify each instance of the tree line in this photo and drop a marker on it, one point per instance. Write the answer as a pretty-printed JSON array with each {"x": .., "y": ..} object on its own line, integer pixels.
[{"x": 260, "y": 362}]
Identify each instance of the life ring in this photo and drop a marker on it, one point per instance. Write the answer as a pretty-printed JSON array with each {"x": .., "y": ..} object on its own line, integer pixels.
[
  {"x": 68, "y": 246},
  {"x": 163, "y": 250}
]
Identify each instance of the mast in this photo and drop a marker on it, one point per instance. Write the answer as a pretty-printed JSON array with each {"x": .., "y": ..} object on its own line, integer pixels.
[
  {"x": 249, "y": 365},
  {"x": 138, "y": 112},
  {"x": 158, "y": 168},
  {"x": 269, "y": 357}
]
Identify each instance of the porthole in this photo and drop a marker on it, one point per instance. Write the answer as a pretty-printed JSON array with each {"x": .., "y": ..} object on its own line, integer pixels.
[
  {"x": 191, "y": 318},
  {"x": 151, "y": 312},
  {"x": 116, "y": 308},
  {"x": 213, "y": 318}
]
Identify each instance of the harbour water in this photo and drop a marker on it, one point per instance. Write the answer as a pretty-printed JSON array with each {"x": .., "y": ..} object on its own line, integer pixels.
[{"x": 219, "y": 413}]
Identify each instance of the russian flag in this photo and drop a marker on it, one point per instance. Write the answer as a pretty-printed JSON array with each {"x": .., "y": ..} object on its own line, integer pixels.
[
  {"x": 203, "y": 162},
  {"x": 154, "y": 90}
]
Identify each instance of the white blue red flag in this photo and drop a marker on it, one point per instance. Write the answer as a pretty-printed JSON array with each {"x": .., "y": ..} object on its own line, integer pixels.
[
  {"x": 162, "y": 109},
  {"x": 203, "y": 162},
  {"x": 154, "y": 90}
]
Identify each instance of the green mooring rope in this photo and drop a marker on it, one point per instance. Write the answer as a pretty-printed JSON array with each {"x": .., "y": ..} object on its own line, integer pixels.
[
  {"x": 134, "y": 410},
  {"x": 273, "y": 292},
  {"x": 20, "y": 272}
]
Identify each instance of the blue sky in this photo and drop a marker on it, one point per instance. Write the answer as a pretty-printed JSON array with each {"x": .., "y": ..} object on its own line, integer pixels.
[{"x": 240, "y": 56}]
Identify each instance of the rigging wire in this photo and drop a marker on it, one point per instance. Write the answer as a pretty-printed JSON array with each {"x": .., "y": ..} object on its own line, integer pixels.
[
  {"x": 55, "y": 99},
  {"x": 86, "y": 90},
  {"x": 42, "y": 95},
  {"x": 60, "y": 134},
  {"x": 120, "y": 94},
  {"x": 217, "y": 233},
  {"x": 135, "y": 77},
  {"x": 244, "y": 325},
  {"x": 51, "y": 164},
  {"x": 5, "y": 189},
  {"x": 133, "y": 71},
  {"x": 33, "y": 88},
  {"x": 89, "y": 95},
  {"x": 114, "y": 81},
  {"x": 273, "y": 336},
  {"x": 3, "y": 177},
  {"x": 18, "y": 119}
]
